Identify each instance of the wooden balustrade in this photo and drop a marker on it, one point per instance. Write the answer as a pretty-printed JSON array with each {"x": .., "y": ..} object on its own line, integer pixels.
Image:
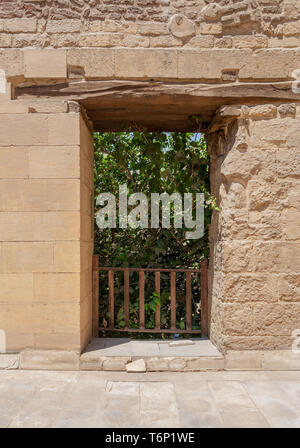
[{"x": 157, "y": 281}]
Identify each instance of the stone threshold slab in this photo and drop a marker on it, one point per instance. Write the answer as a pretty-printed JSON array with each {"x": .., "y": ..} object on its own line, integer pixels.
[
  {"x": 157, "y": 355},
  {"x": 150, "y": 348}
]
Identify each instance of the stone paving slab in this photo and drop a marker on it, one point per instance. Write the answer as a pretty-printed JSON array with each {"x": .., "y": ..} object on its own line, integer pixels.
[
  {"x": 118, "y": 399},
  {"x": 148, "y": 348},
  {"x": 202, "y": 347}
]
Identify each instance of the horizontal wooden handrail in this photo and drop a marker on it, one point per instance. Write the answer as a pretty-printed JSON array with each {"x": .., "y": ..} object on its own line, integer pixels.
[{"x": 107, "y": 268}]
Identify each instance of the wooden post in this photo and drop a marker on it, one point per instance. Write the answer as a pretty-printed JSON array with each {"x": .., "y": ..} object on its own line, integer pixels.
[
  {"x": 126, "y": 297},
  {"x": 142, "y": 299},
  {"x": 111, "y": 299},
  {"x": 95, "y": 306},
  {"x": 173, "y": 300},
  {"x": 157, "y": 290},
  {"x": 188, "y": 298},
  {"x": 204, "y": 304}
]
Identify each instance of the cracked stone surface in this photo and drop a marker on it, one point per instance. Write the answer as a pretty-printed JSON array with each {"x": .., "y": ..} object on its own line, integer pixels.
[{"x": 118, "y": 399}]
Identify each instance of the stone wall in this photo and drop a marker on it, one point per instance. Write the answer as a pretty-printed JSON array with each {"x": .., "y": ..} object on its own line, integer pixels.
[
  {"x": 46, "y": 232},
  {"x": 86, "y": 230},
  {"x": 255, "y": 254},
  {"x": 222, "y": 24},
  {"x": 194, "y": 58}
]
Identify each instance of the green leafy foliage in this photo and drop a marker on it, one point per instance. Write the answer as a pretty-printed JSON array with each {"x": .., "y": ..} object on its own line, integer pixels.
[{"x": 151, "y": 162}]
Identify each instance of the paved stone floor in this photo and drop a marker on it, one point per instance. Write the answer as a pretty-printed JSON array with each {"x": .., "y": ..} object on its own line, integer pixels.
[
  {"x": 158, "y": 348},
  {"x": 165, "y": 399}
]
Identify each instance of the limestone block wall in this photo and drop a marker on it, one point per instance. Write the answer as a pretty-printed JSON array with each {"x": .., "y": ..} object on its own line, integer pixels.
[
  {"x": 222, "y": 24},
  {"x": 255, "y": 258},
  {"x": 45, "y": 234},
  {"x": 86, "y": 230},
  {"x": 55, "y": 54}
]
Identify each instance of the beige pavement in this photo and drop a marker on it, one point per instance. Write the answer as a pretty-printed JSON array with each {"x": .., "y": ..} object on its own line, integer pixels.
[{"x": 165, "y": 399}]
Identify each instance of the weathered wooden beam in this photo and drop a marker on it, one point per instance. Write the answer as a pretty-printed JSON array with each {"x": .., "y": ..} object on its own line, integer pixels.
[
  {"x": 155, "y": 105},
  {"x": 84, "y": 90}
]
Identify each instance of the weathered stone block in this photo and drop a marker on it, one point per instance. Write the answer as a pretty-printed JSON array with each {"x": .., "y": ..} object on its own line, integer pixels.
[
  {"x": 164, "y": 42},
  {"x": 14, "y": 163},
  {"x": 56, "y": 287},
  {"x": 61, "y": 162},
  {"x": 100, "y": 40},
  {"x": 211, "y": 28},
  {"x": 252, "y": 42},
  {"x": 90, "y": 364},
  {"x": 145, "y": 63},
  {"x": 288, "y": 163},
  {"x": 115, "y": 363},
  {"x": 157, "y": 364},
  {"x": 181, "y": 27},
  {"x": 270, "y": 64},
  {"x": 261, "y": 319},
  {"x": 138, "y": 365},
  {"x": 281, "y": 360},
  {"x": 9, "y": 361},
  {"x": 20, "y": 25},
  {"x": 96, "y": 63},
  {"x": 67, "y": 256},
  {"x": 177, "y": 364},
  {"x": 5, "y": 40},
  {"x": 12, "y": 107},
  {"x": 224, "y": 42},
  {"x": 63, "y": 26},
  {"x": 16, "y": 287},
  {"x": 27, "y": 257},
  {"x": 287, "y": 110},
  {"x": 291, "y": 224},
  {"x": 39, "y": 195},
  {"x": 63, "y": 129},
  {"x": 205, "y": 363},
  {"x": 23, "y": 129},
  {"x": 49, "y": 360},
  {"x": 56, "y": 318},
  {"x": 263, "y": 112},
  {"x": 47, "y": 107},
  {"x": 136, "y": 41},
  {"x": 39, "y": 226},
  {"x": 243, "y": 360},
  {"x": 45, "y": 63},
  {"x": 201, "y": 42},
  {"x": 291, "y": 29},
  {"x": 289, "y": 287},
  {"x": 152, "y": 29},
  {"x": 206, "y": 64},
  {"x": 250, "y": 287},
  {"x": 16, "y": 319}
]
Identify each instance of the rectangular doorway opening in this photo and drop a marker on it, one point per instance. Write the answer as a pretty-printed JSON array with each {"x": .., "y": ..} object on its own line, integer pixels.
[{"x": 150, "y": 277}]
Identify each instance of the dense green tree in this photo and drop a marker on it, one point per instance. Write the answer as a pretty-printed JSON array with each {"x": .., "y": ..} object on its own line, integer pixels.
[{"x": 151, "y": 162}]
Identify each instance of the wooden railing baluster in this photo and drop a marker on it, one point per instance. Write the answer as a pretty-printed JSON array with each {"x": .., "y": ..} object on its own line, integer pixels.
[
  {"x": 157, "y": 290},
  {"x": 111, "y": 304},
  {"x": 188, "y": 298},
  {"x": 173, "y": 300},
  {"x": 126, "y": 297},
  {"x": 142, "y": 299}
]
